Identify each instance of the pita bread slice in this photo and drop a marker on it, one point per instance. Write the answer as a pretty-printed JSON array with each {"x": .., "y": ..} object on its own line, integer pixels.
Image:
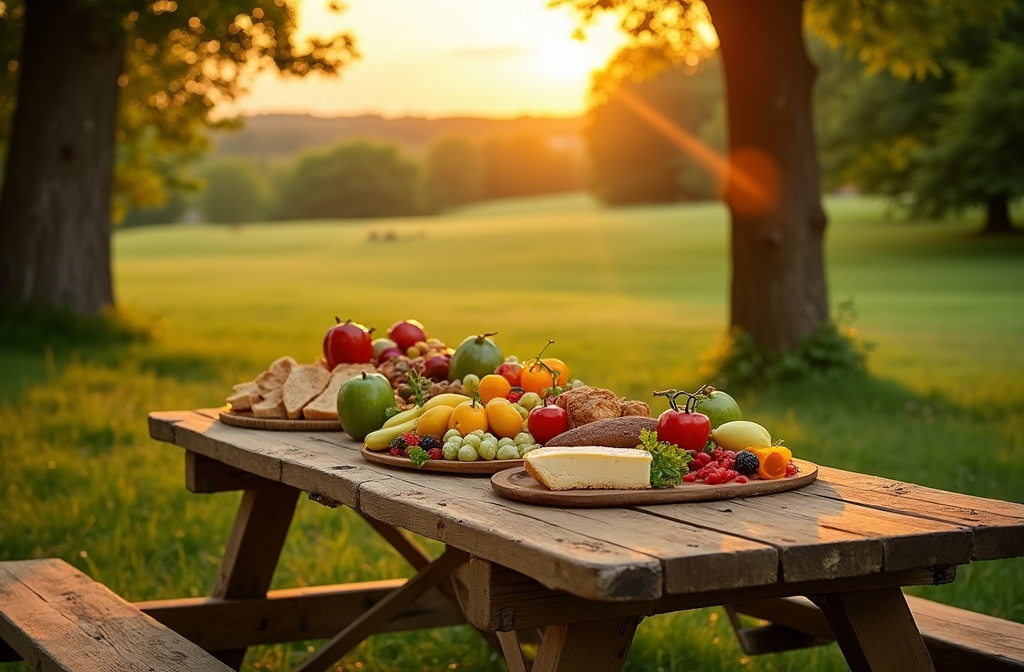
[
  {"x": 245, "y": 395},
  {"x": 325, "y": 406},
  {"x": 271, "y": 406},
  {"x": 276, "y": 374},
  {"x": 304, "y": 383}
]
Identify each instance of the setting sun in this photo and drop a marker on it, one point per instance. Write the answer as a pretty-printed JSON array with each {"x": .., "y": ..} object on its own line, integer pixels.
[{"x": 446, "y": 58}]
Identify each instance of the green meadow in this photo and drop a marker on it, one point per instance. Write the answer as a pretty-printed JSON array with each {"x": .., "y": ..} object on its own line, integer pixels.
[{"x": 632, "y": 297}]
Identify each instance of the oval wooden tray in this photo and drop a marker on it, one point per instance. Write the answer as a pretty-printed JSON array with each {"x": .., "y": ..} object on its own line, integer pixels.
[
  {"x": 249, "y": 421},
  {"x": 443, "y": 466},
  {"x": 518, "y": 485}
]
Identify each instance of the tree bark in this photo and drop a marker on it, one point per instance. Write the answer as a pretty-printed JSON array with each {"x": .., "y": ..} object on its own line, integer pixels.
[
  {"x": 55, "y": 206},
  {"x": 778, "y": 294},
  {"x": 997, "y": 215}
]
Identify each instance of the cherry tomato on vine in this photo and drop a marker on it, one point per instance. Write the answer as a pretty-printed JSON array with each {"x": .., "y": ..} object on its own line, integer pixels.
[{"x": 683, "y": 427}]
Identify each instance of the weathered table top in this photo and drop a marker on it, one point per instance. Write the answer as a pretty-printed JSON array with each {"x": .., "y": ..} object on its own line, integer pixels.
[{"x": 844, "y": 526}]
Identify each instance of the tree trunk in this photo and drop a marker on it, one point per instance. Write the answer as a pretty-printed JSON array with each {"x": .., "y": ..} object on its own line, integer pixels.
[
  {"x": 778, "y": 294},
  {"x": 997, "y": 215},
  {"x": 55, "y": 204}
]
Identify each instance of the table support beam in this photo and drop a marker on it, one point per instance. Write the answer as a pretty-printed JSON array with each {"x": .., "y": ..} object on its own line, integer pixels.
[
  {"x": 875, "y": 630},
  {"x": 598, "y": 646},
  {"x": 439, "y": 570}
]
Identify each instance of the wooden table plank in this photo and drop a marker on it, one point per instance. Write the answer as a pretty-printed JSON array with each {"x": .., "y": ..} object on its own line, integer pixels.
[{"x": 996, "y": 524}]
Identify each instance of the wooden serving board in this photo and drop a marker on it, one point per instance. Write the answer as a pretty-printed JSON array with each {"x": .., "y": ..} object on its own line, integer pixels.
[
  {"x": 444, "y": 466},
  {"x": 249, "y": 421},
  {"x": 518, "y": 485}
]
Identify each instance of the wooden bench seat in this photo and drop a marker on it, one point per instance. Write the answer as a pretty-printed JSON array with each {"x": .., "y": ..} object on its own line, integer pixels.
[
  {"x": 958, "y": 640},
  {"x": 56, "y": 618}
]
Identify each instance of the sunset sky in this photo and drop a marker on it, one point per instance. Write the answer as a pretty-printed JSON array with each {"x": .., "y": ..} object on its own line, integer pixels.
[{"x": 499, "y": 58}]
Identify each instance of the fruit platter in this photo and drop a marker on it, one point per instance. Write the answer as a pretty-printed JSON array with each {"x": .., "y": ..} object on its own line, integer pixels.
[{"x": 542, "y": 436}]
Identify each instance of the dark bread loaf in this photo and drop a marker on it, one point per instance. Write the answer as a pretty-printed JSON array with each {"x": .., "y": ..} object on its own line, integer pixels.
[{"x": 621, "y": 432}]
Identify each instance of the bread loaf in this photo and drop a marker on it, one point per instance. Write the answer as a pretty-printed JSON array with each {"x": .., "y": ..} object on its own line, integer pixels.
[
  {"x": 304, "y": 383},
  {"x": 621, "y": 432}
]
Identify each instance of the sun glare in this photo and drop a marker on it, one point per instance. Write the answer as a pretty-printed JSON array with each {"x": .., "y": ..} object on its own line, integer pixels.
[{"x": 569, "y": 60}]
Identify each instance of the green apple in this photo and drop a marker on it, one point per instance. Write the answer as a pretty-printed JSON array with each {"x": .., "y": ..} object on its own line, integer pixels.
[
  {"x": 717, "y": 405},
  {"x": 364, "y": 403}
]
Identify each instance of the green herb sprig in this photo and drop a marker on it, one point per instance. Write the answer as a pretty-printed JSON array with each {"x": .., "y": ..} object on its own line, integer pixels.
[
  {"x": 418, "y": 456},
  {"x": 669, "y": 463}
]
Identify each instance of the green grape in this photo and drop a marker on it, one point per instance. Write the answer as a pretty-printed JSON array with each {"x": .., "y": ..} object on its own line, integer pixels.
[
  {"x": 451, "y": 449},
  {"x": 471, "y": 440},
  {"x": 527, "y": 447},
  {"x": 477, "y": 432},
  {"x": 523, "y": 437},
  {"x": 467, "y": 453},
  {"x": 523, "y": 411},
  {"x": 488, "y": 448},
  {"x": 470, "y": 383},
  {"x": 506, "y": 441},
  {"x": 507, "y": 452},
  {"x": 529, "y": 401},
  {"x": 452, "y": 434}
]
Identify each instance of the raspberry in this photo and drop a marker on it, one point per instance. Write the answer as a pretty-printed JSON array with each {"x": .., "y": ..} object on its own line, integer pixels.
[
  {"x": 411, "y": 439},
  {"x": 741, "y": 479},
  {"x": 791, "y": 469},
  {"x": 690, "y": 477},
  {"x": 429, "y": 442},
  {"x": 515, "y": 394},
  {"x": 399, "y": 452},
  {"x": 436, "y": 453}
]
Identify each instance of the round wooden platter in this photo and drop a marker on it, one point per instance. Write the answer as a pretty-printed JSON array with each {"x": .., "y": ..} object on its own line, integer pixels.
[
  {"x": 516, "y": 484},
  {"x": 249, "y": 421},
  {"x": 486, "y": 467}
]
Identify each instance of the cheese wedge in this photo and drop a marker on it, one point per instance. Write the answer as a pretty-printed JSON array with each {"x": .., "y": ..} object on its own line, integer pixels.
[{"x": 589, "y": 468}]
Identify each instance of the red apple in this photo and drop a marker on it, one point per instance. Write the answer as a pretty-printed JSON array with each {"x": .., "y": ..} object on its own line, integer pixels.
[
  {"x": 348, "y": 343},
  {"x": 406, "y": 333},
  {"x": 435, "y": 367},
  {"x": 388, "y": 353},
  {"x": 547, "y": 421}
]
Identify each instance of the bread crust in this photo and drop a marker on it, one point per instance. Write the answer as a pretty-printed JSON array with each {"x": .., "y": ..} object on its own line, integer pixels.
[{"x": 620, "y": 432}]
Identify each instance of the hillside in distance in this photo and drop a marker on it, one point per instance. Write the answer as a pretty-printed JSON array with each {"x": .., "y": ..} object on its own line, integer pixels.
[{"x": 287, "y": 134}]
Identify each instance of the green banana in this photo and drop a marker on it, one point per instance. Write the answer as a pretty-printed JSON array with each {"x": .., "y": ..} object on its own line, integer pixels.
[
  {"x": 380, "y": 439},
  {"x": 448, "y": 399}
]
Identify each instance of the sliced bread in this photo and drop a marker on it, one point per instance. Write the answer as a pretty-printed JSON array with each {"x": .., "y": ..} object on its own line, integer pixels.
[
  {"x": 325, "y": 406},
  {"x": 304, "y": 383}
]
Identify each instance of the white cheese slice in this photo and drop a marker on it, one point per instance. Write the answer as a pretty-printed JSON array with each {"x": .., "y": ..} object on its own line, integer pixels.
[{"x": 589, "y": 467}]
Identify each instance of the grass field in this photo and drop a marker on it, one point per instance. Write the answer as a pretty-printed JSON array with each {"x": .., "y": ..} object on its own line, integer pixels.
[{"x": 632, "y": 297}]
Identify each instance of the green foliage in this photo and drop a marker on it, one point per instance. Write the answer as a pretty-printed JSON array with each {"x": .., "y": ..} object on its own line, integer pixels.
[
  {"x": 454, "y": 172},
  {"x": 358, "y": 179},
  {"x": 522, "y": 165},
  {"x": 235, "y": 192},
  {"x": 669, "y": 463},
  {"x": 181, "y": 60},
  {"x": 631, "y": 159},
  {"x": 833, "y": 351},
  {"x": 24, "y": 326}
]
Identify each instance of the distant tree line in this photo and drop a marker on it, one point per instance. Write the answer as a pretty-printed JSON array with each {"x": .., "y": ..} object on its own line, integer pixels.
[{"x": 362, "y": 178}]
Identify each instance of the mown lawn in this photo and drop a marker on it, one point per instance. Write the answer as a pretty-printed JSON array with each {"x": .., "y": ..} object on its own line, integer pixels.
[{"x": 633, "y": 298}]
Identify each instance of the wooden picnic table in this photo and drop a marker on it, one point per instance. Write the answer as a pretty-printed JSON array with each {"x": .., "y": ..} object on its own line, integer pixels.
[{"x": 582, "y": 579}]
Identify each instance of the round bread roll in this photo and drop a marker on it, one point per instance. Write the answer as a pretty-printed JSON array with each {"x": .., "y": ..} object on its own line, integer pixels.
[{"x": 621, "y": 432}]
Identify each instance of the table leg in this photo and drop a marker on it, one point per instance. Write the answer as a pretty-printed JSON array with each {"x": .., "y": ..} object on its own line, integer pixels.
[
  {"x": 876, "y": 631},
  {"x": 595, "y": 646},
  {"x": 253, "y": 549}
]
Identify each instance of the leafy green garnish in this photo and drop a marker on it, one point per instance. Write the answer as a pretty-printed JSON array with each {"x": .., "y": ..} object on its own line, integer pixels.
[
  {"x": 419, "y": 385},
  {"x": 418, "y": 456},
  {"x": 669, "y": 463}
]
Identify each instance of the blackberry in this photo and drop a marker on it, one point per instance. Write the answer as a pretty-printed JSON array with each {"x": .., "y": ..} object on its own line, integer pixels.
[
  {"x": 746, "y": 463},
  {"x": 429, "y": 442},
  {"x": 398, "y": 442}
]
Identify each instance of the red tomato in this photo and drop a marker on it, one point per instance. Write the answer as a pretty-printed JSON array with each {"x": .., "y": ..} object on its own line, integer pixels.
[
  {"x": 546, "y": 422},
  {"x": 688, "y": 430},
  {"x": 347, "y": 343}
]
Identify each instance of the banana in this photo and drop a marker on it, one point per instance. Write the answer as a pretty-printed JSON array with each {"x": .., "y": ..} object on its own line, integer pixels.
[
  {"x": 447, "y": 399},
  {"x": 380, "y": 439}
]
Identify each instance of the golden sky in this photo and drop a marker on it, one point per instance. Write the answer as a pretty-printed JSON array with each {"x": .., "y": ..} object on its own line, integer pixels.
[{"x": 434, "y": 58}]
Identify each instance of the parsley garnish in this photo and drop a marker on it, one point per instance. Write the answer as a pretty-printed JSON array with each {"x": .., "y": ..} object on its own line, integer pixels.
[
  {"x": 418, "y": 456},
  {"x": 669, "y": 463}
]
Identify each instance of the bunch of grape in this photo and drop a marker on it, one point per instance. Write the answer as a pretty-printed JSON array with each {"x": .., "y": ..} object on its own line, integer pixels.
[{"x": 480, "y": 445}]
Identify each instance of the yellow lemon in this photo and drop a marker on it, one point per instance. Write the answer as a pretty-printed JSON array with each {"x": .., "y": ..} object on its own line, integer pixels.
[
  {"x": 503, "y": 418},
  {"x": 434, "y": 421}
]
